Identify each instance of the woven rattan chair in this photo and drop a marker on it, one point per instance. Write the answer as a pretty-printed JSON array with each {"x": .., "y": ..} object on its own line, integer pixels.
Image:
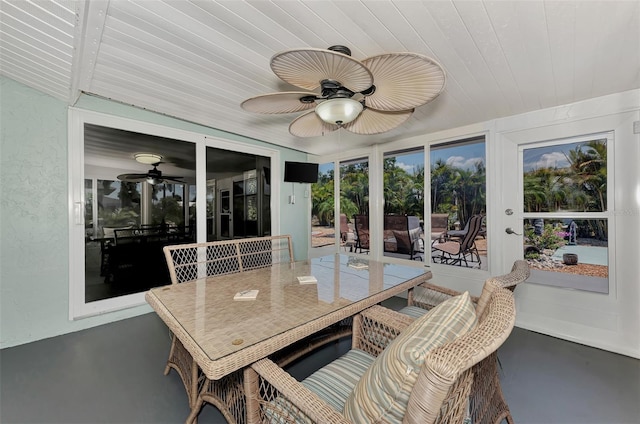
[
  {"x": 439, "y": 395},
  {"x": 188, "y": 262},
  {"x": 487, "y": 401}
]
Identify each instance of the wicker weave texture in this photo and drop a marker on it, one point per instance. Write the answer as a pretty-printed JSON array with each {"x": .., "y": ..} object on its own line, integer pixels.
[
  {"x": 221, "y": 337},
  {"x": 444, "y": 385},
  {"x": 189, "y": 262},
  {"x": 487, "y": 403}
]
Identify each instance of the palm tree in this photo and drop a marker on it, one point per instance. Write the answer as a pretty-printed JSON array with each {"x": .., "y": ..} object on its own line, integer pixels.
[
  {"x": 441, "y": 173},
  {"x": 589, "y": 165},
  {"x": 588, "y": 162}
]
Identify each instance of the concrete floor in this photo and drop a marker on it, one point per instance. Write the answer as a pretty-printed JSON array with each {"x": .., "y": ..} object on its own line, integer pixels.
[{"x": 113, "y": 374}]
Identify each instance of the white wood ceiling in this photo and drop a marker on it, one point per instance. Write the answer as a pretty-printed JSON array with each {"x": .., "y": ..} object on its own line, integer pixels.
[{"x": 198, "y": 60}]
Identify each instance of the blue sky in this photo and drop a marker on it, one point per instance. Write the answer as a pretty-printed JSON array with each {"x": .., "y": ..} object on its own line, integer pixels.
[
  {"x": 547, "y": 157},
  {"x": 464, "y": 156}
]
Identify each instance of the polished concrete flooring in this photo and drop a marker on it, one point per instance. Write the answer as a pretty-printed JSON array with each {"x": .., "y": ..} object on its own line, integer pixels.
[{"x": 113, "y": 374}]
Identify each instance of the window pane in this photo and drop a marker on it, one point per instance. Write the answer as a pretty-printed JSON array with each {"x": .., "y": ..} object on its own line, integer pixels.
[
  {"x": 458, "y": 193},
  {"x": 322, "y": 207},
  {"x": 403, "y": 181},
  {"x": 566, "y": 177},
  {"x": 238, "y": 195},
  {"x": 354, "y": 199},
  {"x": 564, "y": 249},
  {"x": 571, "y": 253}
]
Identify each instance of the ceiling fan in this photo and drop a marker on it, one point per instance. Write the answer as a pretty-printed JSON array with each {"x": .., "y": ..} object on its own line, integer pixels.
[
  {"x": 153, "y": 176},
  {"x": 365, "y": 97}
]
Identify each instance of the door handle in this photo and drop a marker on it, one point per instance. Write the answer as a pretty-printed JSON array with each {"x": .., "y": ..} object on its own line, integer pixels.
[{"x": 510, "y": 230}]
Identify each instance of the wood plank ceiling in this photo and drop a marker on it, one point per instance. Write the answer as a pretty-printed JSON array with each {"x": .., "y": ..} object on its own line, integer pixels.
[{"x": 198, "y": 60}]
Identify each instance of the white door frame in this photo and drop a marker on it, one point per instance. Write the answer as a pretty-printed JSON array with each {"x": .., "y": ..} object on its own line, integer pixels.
[{"x": 593, "y": 319}]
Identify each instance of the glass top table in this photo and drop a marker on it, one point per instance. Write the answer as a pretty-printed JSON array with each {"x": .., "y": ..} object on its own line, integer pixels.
[{"x": 224, "y": 335}]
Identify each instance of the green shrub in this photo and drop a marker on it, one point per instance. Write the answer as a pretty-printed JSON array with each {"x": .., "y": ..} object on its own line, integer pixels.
[{"x": 549, "y": 239}]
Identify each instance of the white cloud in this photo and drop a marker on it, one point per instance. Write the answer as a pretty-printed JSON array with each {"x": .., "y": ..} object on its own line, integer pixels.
[
  {"x": 462, "y": 162},
  {"x": 408, "y": 168},
  {"x": 549, "y": 160}
]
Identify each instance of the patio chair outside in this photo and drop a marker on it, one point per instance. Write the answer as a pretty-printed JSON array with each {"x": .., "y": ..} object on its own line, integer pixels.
[
  {"x": 461, "y": 233},
  {"x": 457, "y": 252},
  {"x": 344, "y": 228},
  {"x": 439, "y": 224},
  {"x": 362, "y": 233},
  {"x": 402, "y": 236}
]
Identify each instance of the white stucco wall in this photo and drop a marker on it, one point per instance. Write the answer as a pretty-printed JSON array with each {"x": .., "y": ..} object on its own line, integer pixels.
[{"x": 34, "y": 233}]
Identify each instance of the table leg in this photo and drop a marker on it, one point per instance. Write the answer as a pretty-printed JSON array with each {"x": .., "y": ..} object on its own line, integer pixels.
[
  {"x": 226, "y": 394},
  {"x": 251, "y": 393}
]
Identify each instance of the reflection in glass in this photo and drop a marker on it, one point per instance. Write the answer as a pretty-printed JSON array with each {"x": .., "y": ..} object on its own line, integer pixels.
[
  {"x": 167, "y": 205},
  {"x": 127, "y": 223}
]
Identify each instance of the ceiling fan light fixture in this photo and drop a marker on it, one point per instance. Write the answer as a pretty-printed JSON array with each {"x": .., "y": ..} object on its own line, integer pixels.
[
  {"x": 339, "y": 111},
  {"x": 147, "y": 158}
]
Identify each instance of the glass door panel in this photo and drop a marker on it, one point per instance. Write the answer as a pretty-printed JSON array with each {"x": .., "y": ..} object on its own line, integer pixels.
[
  {"x": 403, "y": 179},
  {"x": 564, "y": 192},
  {"x": 458, "y": 194},
  {"x": 354, "y": 200},
  {"x": 323, "y": 209}
]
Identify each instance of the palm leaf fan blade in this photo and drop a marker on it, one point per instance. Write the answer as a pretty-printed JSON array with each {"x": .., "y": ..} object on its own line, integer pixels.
[{"x": 373, "y": 121}]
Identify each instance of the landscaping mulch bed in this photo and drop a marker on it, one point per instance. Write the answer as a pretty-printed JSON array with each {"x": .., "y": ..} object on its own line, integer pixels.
[{"x": 579, "y": 269}]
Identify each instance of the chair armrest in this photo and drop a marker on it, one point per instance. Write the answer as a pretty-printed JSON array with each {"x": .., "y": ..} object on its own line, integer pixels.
[
  {"x": 428, "y": 295},
  {"x": 282, "y": 398},
  {"x": 375, "y": 327}
]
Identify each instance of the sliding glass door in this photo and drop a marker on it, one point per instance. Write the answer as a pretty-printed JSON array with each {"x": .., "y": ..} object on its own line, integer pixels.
[{"x": 137, "y": 187}]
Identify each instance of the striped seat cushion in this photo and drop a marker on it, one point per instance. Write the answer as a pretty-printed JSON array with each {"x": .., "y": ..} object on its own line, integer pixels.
[
  {"x": 382, "y": 394},
  {"x": 334, "y": 382},
  {"x": 413, "y": 311}
]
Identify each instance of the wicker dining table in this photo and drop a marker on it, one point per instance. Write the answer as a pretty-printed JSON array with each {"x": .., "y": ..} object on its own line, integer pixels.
[{"x": 225, "y": 336}]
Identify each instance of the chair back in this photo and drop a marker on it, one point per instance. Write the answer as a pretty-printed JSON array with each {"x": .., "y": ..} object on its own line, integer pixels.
[
  {"x": 475, "y": 223},
  {"x": 442, "y": 389},
  {"x": 362, "y": 231},
  {"x": 519, "y": 273},
  {"x": 187, "y": 262},
  {"x": 344, "y": 227},
  {"x": 439, "y": 224},
  {"x": 109, "y": 232}
]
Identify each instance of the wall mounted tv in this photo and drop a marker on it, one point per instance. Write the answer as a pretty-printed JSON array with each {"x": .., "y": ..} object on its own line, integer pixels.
[{"x": 300, "y": 172}]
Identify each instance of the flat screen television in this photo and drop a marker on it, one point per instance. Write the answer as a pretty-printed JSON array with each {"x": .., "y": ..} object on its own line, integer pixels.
[{"x": 300, "y": 172}]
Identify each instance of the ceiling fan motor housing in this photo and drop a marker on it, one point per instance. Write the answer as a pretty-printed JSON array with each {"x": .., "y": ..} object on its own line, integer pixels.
[{"x": 340, "y": 49}]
